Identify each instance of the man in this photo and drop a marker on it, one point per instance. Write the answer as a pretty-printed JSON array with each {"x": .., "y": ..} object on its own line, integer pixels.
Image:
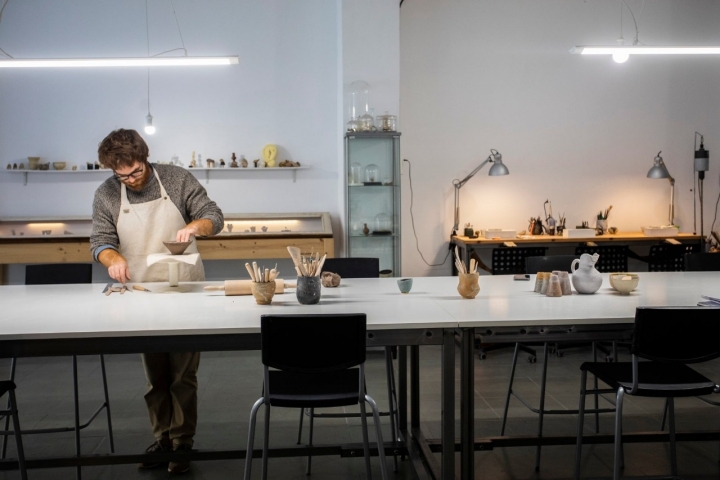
[{"x": 133, "y": 212}]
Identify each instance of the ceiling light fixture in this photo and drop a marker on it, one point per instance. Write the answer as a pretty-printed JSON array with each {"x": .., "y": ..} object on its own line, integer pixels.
[
  {"x": 621, "y": 53},
  {"x": 154, "y": 61}
]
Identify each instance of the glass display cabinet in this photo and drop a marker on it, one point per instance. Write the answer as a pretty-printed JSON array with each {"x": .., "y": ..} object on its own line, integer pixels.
[{"x": 372, "y": 166}]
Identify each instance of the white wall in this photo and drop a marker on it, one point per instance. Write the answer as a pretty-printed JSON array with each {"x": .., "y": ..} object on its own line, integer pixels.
[
  {"x": 579, "y": 131},
  {"x": 286, "y": 91}
]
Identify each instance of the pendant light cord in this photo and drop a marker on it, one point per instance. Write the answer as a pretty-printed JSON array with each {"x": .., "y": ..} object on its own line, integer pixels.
[
  {"x": 636, "y": 40},
  {"x": 147, "y": 38},
  {"x": 1, "y": 12},
  {"x": 182, "y": 40}
]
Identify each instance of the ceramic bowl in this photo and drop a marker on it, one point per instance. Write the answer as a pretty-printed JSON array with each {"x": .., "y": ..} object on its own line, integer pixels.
[
  {"x": 177, "y": 248},
  {"x": 59, "y": 165},
  {"x": 624, "y": 283}
]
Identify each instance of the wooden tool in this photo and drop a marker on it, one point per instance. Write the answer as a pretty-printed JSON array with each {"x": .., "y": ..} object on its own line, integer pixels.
[
  {"x": 140, "y": 288},
  {"x": 242, "y": 287}
]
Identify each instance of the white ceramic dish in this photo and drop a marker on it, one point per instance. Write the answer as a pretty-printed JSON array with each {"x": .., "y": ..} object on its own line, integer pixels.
[
  {"x": 499, "y": 233},
  {"x": 660, "y": 231},
  {"x": 578, "y": 232},
  {"x": 623, "y": 282}
]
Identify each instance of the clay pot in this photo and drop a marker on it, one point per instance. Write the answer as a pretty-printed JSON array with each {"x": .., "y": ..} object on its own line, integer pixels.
[
  {"x": 177, "y": 248},
  {"x": 263, "y": 292},
  {"x": 468, "y": 286},
  {"x": 308, "y": 290}
]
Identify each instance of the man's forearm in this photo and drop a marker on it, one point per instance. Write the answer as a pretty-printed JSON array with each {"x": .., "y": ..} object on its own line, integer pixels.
[
  {"x": 203, "y": 226},
  {"x": 109, "y": 257}
]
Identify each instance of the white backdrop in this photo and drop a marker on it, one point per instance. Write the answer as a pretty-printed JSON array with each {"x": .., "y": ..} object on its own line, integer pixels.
[{"x": 579, "y": 131}]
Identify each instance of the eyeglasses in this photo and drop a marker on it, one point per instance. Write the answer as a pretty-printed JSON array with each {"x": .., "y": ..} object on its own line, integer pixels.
[{"x": 132, "y": 175}]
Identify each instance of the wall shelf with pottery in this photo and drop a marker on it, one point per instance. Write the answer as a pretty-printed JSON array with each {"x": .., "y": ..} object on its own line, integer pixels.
[
  {"x": 248, "y": 169},
  {"x": 53, "y": 172}
]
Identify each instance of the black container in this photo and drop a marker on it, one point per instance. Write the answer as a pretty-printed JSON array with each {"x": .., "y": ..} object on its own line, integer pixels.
[{"x": 308, "y": 290}]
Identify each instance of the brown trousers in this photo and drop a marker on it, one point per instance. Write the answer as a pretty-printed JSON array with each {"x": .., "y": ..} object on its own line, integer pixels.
[{"x": 172, "y": 395}]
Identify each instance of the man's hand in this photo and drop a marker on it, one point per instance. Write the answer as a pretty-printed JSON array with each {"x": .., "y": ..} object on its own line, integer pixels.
[
  {"x": 116, "y": 264},
  {"x": 201, "y": 227}
]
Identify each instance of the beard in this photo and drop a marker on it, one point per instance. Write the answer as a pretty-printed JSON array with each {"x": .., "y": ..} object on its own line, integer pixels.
[{"x": 139, "y": 183}]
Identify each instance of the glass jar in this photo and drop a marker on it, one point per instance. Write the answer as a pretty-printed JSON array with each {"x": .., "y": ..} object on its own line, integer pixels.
[
  {"x": 356, "y": 172},
  {"x": 366, "y": 123},
  {"x": 386, "y": 123},
  {"x": 372, "y": 174},
  {"x": 383, "y": 224},
  {"x": 352, "y": 126},
  {"x": 358, "y": 99}
]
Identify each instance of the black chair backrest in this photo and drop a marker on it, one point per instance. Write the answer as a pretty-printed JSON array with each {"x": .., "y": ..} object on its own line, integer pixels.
[
  {"x": 548, "y": 264},
  {"x": 669, "y": 258},
  {"x": 58, "y": 273},
  {"x": 353, "y": 267},
  {"x": 676, "y": 334},
  {"x": 313, "y": 343},
  {"x": 511, "y": 260},
  {"x": 702, "y": 262},
  {"x": 613, "y": 258}
]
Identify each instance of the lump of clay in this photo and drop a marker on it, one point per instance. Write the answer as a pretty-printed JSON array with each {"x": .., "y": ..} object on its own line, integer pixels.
[{"x": 330, "y": 279}]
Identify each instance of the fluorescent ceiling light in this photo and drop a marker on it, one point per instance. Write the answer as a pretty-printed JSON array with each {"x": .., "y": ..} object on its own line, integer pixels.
[
  {"x": 644, "y": 50},
  {"x": 118, "y": 62}
]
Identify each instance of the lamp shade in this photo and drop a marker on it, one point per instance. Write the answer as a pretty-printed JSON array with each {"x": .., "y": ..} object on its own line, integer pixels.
[
  {"x": 498, "y": 169},
  {"x": 658, "y": 170}
]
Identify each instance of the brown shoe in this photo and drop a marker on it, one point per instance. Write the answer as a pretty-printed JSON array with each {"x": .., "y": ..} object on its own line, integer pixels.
[
  {"x": 181, "y": 466},
  {"x": 157, "y": 447}
]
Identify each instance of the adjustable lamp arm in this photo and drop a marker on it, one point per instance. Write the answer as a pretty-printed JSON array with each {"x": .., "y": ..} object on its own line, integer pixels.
[{"x": 458, "y": 184}]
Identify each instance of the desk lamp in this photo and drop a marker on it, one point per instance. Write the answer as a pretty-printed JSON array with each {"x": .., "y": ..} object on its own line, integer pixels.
[
  {"x": 659, "y": 170},
  {"x": 497, "y": 169}
]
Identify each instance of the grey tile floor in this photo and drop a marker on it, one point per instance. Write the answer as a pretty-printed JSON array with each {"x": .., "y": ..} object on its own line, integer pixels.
[{"x": 230, "y": 382}]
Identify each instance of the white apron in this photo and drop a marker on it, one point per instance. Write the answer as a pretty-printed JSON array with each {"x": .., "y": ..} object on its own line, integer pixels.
[{"x": 141, "y": 229}]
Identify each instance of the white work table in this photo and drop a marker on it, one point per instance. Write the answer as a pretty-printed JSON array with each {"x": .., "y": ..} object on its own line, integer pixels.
[{"x": 80, "y": 319}]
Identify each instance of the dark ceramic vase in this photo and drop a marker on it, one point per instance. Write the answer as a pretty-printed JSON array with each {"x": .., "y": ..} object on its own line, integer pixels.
[{"x": 308, "y": 290}]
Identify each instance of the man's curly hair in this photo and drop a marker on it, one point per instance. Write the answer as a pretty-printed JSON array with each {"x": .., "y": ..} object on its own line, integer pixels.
[{"x": 122, "y": 148}]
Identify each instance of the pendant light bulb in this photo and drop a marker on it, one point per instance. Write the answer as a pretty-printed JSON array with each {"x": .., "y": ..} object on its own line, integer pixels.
[
  {"x": 620, "y": 57},
  {"x": 149, "y": 127}
]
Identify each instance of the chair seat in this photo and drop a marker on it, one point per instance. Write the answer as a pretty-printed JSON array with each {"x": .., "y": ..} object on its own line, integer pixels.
[
  {"x": 6, "y": 386},
  {"x": 334, "y": 389},
  {"x": 657, "y": 379}
]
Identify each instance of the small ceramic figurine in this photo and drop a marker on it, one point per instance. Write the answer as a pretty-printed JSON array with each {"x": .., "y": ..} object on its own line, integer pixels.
[
  {"x": 230, "y": 227},
  {"x": 252, "y": 229},
  {"x": 13, "y": 232},
  {"x": 586, "y": 279},
  {"x": 243, "y": 161},
  {"x": 14, "y": 166},
  {"x": 366, "y": 230},
  {"x": 74, "y": 167},
  {"x": 256, "y": 161},
  {"x": 222, "y": 163},
  {"x": 264, "y": 229},
  {"x": 210, "y": 163},
  {"x": 97, "y": 165},
  {"x": 89, "y": 165},
  {"x": 9, "y": 166},
  {"x": 269, "y": 154},
  {"x": 22, "y": 166},
  {"x": 192, "y": 162},
  {"x": 234, "y": 163}
]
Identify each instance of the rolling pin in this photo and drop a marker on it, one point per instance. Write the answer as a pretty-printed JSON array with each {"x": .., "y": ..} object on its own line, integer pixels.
[{"x": 242, "y": 287}]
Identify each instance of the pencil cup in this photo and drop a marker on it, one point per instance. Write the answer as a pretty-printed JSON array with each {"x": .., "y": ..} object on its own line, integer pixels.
[
  {"x": 263, "y": 292},
  {"x": 468, "y": 286},
  {"x": 308, "y": 290}
]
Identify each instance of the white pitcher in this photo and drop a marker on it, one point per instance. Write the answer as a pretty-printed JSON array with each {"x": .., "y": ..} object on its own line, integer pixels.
[{"x": 586, "y": 279}]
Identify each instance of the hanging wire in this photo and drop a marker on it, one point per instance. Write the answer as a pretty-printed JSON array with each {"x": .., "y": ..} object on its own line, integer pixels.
[
  {"x": 147, "y": 38},
  {"x": 412, "y": 220},
  {"x": 637, "y": 32},
  {"x": 1, "y": 12}
]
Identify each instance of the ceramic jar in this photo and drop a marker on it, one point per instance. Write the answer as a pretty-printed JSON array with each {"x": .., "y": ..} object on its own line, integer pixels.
[
  {"x": 586, "y": 279},
  {"x": 263, "y": 292},
  {"x": 308, "y": 290},
  {"x": 468, "y": 286}
]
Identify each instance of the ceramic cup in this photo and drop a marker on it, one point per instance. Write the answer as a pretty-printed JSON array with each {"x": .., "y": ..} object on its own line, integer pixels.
[
  {"x": 468, "y": 286},
  {"x": 385, "y": 273},
  {"x": 565, "y": 283},
  {"x": 546, "y": 282},
  {"x": 554, "y": 289},
  {"x": 539, "y": 279},
  {"x": 33, "y": 163},
  {"x": 263, "y": 292},
  {"x": 405, "y": 284},
  {"x": 308, "y": 290}
]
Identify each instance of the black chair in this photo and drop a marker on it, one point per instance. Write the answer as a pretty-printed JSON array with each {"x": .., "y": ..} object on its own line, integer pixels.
[
  {"x": 8, "y": 387},
  {"x": 55, "y": 274},
  {"x": 353, "y": 267},
  {"x": 358, "y": 267},
  {"x": 511, "y": 260},
  {"x": 670, "y": 338},
  {"x": 613, "y": 258},
  {"x": 534, "y": 265},
  {"x": 669, "y": 258},
  {"x": 318, "y": 361},
  {"x": 702, "y": 262}
]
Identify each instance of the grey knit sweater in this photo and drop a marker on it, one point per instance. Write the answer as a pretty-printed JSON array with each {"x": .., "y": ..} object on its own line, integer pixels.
[{"x": 182, "y": 187}]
